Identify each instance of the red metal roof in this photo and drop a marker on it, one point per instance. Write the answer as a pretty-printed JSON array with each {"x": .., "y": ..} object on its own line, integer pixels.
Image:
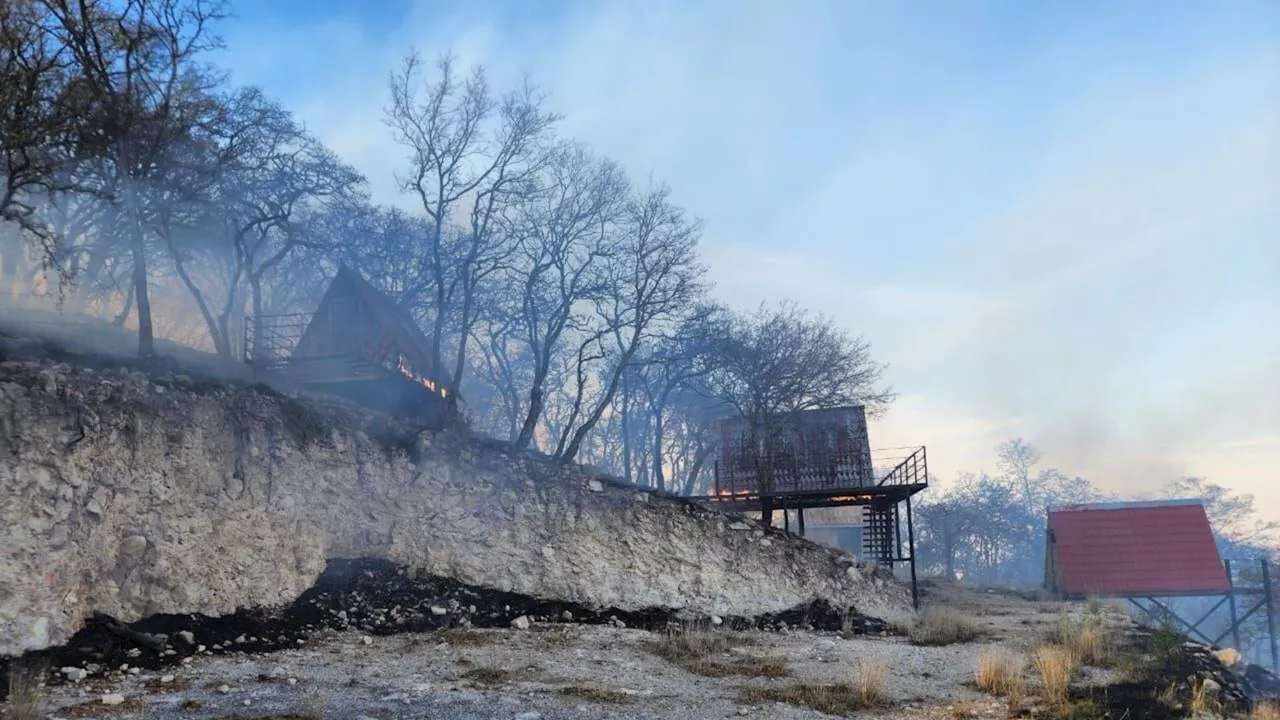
[{"x": 1160, "y": 548}]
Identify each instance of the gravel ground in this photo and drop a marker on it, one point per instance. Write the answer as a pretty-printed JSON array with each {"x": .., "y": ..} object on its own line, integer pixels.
[{"x": 526, "y": 674}]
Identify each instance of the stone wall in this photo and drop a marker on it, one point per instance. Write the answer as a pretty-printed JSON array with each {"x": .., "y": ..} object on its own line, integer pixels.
[{"x": 132, "y": 495}]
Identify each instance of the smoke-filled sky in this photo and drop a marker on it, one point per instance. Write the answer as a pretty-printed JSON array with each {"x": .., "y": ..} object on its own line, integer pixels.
[{"x": 1059, "y": 221}]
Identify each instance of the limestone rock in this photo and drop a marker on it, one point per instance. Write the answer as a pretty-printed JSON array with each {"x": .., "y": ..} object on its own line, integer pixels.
[
  {"x": 269, "y": 487},
  {"x": 1228, "y": 656}
]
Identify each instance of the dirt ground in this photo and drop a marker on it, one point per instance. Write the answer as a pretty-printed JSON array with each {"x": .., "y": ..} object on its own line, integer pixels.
[{"x": 568, "y": 671}]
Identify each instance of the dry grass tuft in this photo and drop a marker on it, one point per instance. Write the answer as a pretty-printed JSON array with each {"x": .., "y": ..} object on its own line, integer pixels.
[
  {"x": 868, "y": 684},
  {"x": 26, "y": 689},
  {"x": 488, "y": 675},
  {"x": 1055, "y": 665},
  {"x": 462, "y": 637},
  {"x": 940, "y": 626},
  {"x": 1089, "y": 640},
  {"x": 865, "y": 690},
  {"x": 710, "y": 654},
  {"x": 1265, "y": 711},
  {"x": 1000, "y": 673},
  {"x": 1204, "y": 702},
  {"x": 598, "y": 694}
]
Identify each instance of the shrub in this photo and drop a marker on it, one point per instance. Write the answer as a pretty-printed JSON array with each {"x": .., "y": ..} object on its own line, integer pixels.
[
  {"x": 1055, "y": 665},
  {"x": 999, "y": 673},
  {"x": 939, "y": 626}
]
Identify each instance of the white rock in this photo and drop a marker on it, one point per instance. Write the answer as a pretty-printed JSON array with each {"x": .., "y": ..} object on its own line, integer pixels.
[
  {"x": 521, "y": 623},
  {"x": 437, "y": 610},
  {"x": 531, "y": 715},
  {"x": 112, "y": 699},
  {"x": 739, "y": 526},
  {"x": 717, "y": 620},
  {"x": 134, "y": 670},
  {"x": 74, "y": 674},
  {"x": 594, "y": 486},
  {"x": 224, "y": 688},
  {"x": 366, "y": 639},
  {"x": 166, "y": 678},
  {"x": 566, "y": 616},
  {"x": 187, "y": 636},
  {"x": 292, "y": 681},
  {"x": 766, "y": 542}
]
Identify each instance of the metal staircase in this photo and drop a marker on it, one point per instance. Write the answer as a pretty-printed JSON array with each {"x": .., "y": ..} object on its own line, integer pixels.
[{"x": 878, "y": 536}]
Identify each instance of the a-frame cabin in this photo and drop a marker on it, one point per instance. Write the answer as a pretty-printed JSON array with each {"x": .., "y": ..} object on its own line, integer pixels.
[{"x": 358, "y": 345}]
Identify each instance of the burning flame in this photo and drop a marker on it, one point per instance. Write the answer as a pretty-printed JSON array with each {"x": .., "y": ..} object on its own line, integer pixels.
[{"x": 427, "y": 383}]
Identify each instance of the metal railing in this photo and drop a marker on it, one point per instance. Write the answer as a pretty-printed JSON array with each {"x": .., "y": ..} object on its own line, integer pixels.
[
  {"x": 269, "y": 340},
  {"x": 913, "y": 470},
  {"x": 827, "y": 473}
]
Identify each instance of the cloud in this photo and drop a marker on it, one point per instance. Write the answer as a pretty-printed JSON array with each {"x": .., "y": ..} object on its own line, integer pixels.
[{"x": 1049, "y": 229}]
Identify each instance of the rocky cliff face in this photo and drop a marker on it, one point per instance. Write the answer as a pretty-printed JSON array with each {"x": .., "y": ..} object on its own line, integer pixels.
[{"x": 132, "y": 495}]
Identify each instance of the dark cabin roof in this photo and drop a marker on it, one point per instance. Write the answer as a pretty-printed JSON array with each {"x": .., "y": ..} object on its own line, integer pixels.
[
  {"x": 377, "y": 323},
  {"x": 1134, "y": 549}
]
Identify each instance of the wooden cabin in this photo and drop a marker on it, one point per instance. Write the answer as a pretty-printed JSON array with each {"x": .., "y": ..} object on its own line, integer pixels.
[{"x": 357, "y": 345}]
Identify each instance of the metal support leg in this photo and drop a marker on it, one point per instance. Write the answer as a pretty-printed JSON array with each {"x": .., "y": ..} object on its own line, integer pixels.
[
  {"x": 1231, "y": 603},
  {"x": 786, "y": 519},
  {"x": 800, "y": 520},
  {"x": 911, "y": 547},
  {"x": 1271, "y": 616}
]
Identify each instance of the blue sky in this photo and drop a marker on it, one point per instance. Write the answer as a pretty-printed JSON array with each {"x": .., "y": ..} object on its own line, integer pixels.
[{"x": 1055, "y": 220}]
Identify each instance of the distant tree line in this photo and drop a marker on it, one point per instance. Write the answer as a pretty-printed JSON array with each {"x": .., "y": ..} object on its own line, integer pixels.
[
  {"x": 565, "y": 304},
  {"x": 989, "y": 529}
]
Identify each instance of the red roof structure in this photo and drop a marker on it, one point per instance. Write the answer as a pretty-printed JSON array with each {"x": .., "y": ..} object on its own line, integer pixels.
[{"x": 1143, "y": 549}]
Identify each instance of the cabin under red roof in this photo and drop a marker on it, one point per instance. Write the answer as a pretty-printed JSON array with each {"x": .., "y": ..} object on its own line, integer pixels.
[{"x": 1152, "y": 549}]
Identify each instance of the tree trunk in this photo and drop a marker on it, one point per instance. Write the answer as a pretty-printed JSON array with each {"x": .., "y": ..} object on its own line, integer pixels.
[
  {"x": 118, "y": 320},
  {"x": 658, "y": 475},
  {"x": 626, "y": 432},
  {"x": 535, "y": 410}
]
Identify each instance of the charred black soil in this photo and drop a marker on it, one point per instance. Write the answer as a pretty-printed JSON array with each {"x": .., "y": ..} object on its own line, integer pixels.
[{"x": 375, "y": 597}]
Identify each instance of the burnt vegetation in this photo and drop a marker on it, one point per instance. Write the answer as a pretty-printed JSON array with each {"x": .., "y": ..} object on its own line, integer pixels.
[{"x": 380, "y": 598}]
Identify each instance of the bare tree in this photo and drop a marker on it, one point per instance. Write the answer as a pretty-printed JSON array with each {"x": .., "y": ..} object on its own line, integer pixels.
[
  {"x": 566, "y": 231},
  {"x": 655, "y": 278},
  {"x": 472, "y": 155},
  {"x": 37, "y": 122},
  {"x": 781, "y": 360},
  {"x": 136, "y": 67}
]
